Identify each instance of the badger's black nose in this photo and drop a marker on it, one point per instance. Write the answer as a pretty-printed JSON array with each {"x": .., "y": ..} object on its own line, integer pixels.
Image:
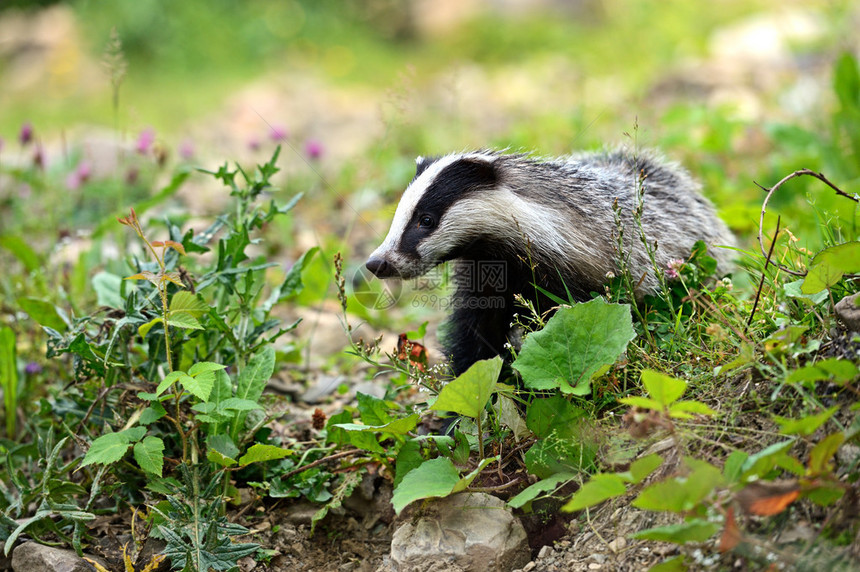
[{"x": 380, "y": 267}]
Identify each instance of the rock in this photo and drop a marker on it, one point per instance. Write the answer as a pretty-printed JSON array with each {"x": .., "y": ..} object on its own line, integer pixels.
[
  {"x": 466, "y": 531},
  {"x": 848, "y": 311},
  {"x": 35, "y": 557}
]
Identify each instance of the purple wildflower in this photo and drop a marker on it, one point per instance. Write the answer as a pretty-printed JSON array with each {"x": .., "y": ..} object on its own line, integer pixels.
[
  {"x": 673, "y": 268},
  {"x": 278, "y": 133},
  {"x": 26, "y": 134},
  {"x": 145, "y": 141},
  {"x": 314, "y": 149},
  {"x": 254, "y": 144},
  {"x": 186, "y": 149},
  {"x": 78, "y": 176},
  {"x": 32, "y": 368}
]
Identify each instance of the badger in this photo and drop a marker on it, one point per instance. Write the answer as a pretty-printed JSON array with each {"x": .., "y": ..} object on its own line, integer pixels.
[{"x": 536, "y": 226}]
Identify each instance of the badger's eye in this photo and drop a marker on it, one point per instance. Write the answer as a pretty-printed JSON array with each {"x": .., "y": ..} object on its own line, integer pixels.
[{"x": 426, "y": 221}]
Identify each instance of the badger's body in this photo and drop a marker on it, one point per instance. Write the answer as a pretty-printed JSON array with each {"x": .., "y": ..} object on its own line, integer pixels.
[{"x": 545, "y": 223}]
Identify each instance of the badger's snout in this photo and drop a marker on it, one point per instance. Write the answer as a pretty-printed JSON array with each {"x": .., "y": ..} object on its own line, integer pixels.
[{"x": 380, "y": 267}]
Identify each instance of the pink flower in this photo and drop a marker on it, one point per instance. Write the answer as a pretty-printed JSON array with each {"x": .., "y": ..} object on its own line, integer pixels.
[
  {"x": 78, "y": 176},
  {"x": 673, "y": 268},
  {"x": 314, "y": 149},
  {"x": 26, "y": 134},
  {"x": 254, "y": 144},
  {"x": 186, "y": 149},
  {"x": 278, "y": 133},
  {"x": 145, "y": 141}
]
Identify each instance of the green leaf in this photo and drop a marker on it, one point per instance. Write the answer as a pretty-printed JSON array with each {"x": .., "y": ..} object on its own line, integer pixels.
[
  {"x": 143, "y": 329},
  {"x": 830, "y": 265},
  {"x": 107, "y": 449},
  {"x": 43, "y": 312},
  {"x": 824, "y": 450},
  {"x": 664, "y": 389},
  {"x": 408, "y": 457},
  {"x": 153, "y": 413},
  {"x": 184, "y": 302},
  {"x": 697, "y": 530},
  {"x": 252, "y": 381},
  {"x": 204, "y": 367},
  {"x": 469, "y": 393},
  {"x": 687, "y": 409},
  {"x": 641, "y": 402},
  {"x": 260, "y": 452},
  {"x": 108, "y": 289},
  {"x": 846, "y": 81},
  {"x": 804, "y": 426},
  {"x": 734, "y": 465},
  {"x": 575, "y": 344},
  {"x": 545, "y": 485},
  {"x": 373, "y": 410},
  {"x": 221, "y": 450},
  {"x": 9, "y": 378},
  {"x": 396, "y": 427},
  {"x": 641, "y": 468},
  {"x": 169, "y": 380},
  {"x": 434, "y": 478},
  {"x": 292, "y": 284},
  {"x": 793, "y": 290},
  {"x": 13, "y": 537},
  {"x": 22, "y": 251},
  {"x": 236, "y": 404},
  {"x": 839, "y": 371},
  {"x": 553, "y": 414},
  {"x": 200, "y": 385},
  {"x": 464, "y": 482},
  {"x": 679, "y": 494},
  {"x": 149, "y": 454},
  {"x": 184, "y": 321},
  {"x": 601, "y": 487}
]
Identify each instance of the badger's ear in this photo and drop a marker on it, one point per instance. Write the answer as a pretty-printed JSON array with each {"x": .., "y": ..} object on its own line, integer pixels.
[
  {"x": 477, "y": 171},
  {"x": 421, "y": 164}
]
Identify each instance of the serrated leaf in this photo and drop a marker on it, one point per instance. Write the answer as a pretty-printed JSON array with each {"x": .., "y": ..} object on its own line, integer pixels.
[
  {"x": 697, "y": 530},
  {"x": 433, "y": 478},
  {"x": 184, "y": 321},
  {"x": 641, "y": 468},
  {"x": 43, "y": 312},
  {"x": 204, "y": 367},
  {"x": 260, "y": 452},
  {"x": 153, "y": 413},
  {"x": 199, "y": 386},
  {"x": 601, "y": 487},
  {"x": 188, "y": 303},
  {"x": 169, "y": 380},
  {"x": 683, "y": 493},
  {"x": 149, "y": 454},
  {"x": 574, "y": 345},
  {"x": 236, "y": 404},
  {"x": 469, "y": 393},
  {"x": 107, "y": 449}
]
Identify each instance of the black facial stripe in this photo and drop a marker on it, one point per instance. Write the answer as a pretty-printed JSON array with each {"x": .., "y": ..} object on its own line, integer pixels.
[{"x": 454, "y": 182}]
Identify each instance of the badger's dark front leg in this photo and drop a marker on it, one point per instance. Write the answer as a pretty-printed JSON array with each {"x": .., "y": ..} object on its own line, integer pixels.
[{"x": 477, "y": 329}]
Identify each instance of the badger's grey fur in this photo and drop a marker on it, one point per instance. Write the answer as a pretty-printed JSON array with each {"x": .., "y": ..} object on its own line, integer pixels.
[{"x": 549, "y": 223}]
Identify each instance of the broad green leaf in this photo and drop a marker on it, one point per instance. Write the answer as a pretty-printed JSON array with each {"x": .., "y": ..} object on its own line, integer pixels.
[
  {"x": 601, "y": 487},
  {"x": 184, "y": 321},
  {"x": 824, "y": 450},
  {"x": 107, "y": 449},
  {"x": 43, "y": 312},
  {"x": 697, "y": 530},
  {"x": 804, "y": 426},
  {"x": 108, "y": 289},
  {"x": 184, "y": 302},
  {"x": 9, "y": 378},
  {"x": 830, "y": 265},
  {"x": 169, "y": 380},
  {"x": 765, "y": 460},
  {"x": 252, "y": 381},
  {"x": 469, "y": 393},
  {"x": 408, "y": 457},
  {"x": 839, "y": 371},
  {"x": 664, "y": 389},
  {"x": 687, "y": 409},
  {"x": 641, "y": 402},
  {"x": 545, "y": 485},
  {"x": 221, "y": 450},
  {"x": 236, "y": 404},
  {"x": 641, "y": 468},
  {"x": 22, "y": 251},
  {"x": 674, "y": 564},
  {"x": 201, "y": 385},
  {"x": 153, "y": 413},
  {"x": 260, "y": 452},
  {"x": 434, "y": 478},
  {"x": 734, "y": 466},
  {"x": 373, "y": 410},
  {"x": 553, "y": 414},
  {"x": 574, "y": 345},
  {"x": 792, "y": 290},
  {"x": 149, "y": 454},
  {"x": 562, "y": 451},
  {"x": 204, "y": 367},
  {"x": 680, "y": 494}
]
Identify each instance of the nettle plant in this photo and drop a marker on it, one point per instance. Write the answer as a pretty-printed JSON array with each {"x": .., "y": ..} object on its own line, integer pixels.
[{"x": 176, "y": 370}]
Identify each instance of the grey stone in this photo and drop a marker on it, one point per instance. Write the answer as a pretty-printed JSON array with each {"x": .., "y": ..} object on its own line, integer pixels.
[
  {"x": 35, "y": 557},
  {"x": 848, "y": 311},
  {"x": 470, "y": 531}
]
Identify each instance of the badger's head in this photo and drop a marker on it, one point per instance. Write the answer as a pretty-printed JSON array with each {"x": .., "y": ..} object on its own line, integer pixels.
[{"x": 444, "y": 209}]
